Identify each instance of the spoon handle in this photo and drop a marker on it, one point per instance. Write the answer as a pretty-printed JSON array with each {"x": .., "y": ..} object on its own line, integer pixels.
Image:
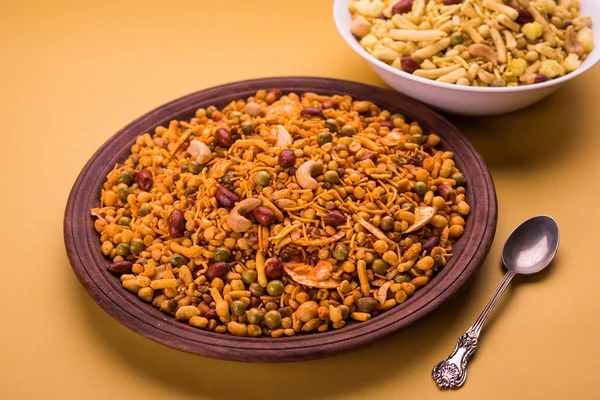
[{"x": 452, "y": 372}]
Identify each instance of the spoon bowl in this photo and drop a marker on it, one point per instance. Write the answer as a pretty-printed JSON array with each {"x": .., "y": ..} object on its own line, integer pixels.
[{"x": 531, "y": 246}]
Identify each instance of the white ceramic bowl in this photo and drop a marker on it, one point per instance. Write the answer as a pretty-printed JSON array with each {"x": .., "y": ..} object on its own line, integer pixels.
[{"x": 466, "y": 100}]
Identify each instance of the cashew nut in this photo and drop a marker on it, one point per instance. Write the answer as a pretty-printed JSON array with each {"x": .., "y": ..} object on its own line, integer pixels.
[
  {"x": 572, "y": 43},
  {"x": 283, "y": 136},
  {"x": 237, "y": 220},
  {"x": 304, "y": 174},
  {"x": 199, "y": 151},
  {"x": 481, "y": 50},
  {"x": 422, "y": 217}
]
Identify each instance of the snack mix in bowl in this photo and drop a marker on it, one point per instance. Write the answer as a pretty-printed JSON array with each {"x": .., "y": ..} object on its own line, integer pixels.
[
  {"x": 281, "y": 214},
  {"x": 475, "y": 42}
]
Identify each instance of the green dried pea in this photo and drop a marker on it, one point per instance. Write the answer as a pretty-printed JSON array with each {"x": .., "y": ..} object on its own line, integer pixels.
[
  {"x": 177, "y": 260},
  {"x": 238, "y": 308},
  {"x": 272, "y": 319},
  {"x": 324, "y": 137},
  {"x": 418, "y": 139},
  {"x": 331, "y": 177},
  {"x": 456, "y": 38},
  {"x": 263, "y": 178},
  {"x": 401, "y": 278},
  {"x": 136, "y": 246},
  {"x": 256, "y": 289},
  {"x": 125, "y": 177},
  {"x": 247, "y": 127},
  {"x": 420, "y": 188},
  {"x": 379, "y": 266},
  {"x": 408, "y": 207},
  {"x": 331, "y": 124},
  {"x": 340, "y": 252},
  {"x": 348, "y": 130},
  {"x": 194, "y": 167},
  {"x": 210, "y": 110},
  {"x": 249, "y": 276},
  {"x": 221, "y": 254},
  {"x": 124, "y": 221},
  {"x": 275, "y": 287},
  {"x": 123, "y": 250},
  {"x": 123, "y": 193},
  {"x": 459, "y": 178},
  {"x": 255, "y": 316}
]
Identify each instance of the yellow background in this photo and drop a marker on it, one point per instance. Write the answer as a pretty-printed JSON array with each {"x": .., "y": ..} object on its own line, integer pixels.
[{"x": 72, "y": 73}]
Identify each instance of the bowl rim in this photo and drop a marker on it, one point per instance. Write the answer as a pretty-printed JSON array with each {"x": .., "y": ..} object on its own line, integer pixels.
[
  {"x": 89, "y": 265},
  {"x": 341, "y": 6}
]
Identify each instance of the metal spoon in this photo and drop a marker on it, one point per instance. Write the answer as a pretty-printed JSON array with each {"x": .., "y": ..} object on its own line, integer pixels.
[{"x": 528, "y": 250}]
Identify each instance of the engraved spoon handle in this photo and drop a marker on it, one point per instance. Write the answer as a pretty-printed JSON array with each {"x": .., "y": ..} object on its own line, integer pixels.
[{"x": 452, "y": 372}]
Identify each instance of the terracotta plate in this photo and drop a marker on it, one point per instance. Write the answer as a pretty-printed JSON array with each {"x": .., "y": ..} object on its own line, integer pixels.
[{"x": 89, "y": 264}]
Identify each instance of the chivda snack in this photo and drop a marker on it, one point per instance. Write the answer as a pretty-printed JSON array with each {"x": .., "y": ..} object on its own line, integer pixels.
[
  {"x": 475, "y": 42},
  {"x": 281, "y": 214}
]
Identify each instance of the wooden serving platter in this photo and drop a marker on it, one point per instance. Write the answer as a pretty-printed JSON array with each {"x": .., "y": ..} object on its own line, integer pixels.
[{"x": 83, "y": 247}]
